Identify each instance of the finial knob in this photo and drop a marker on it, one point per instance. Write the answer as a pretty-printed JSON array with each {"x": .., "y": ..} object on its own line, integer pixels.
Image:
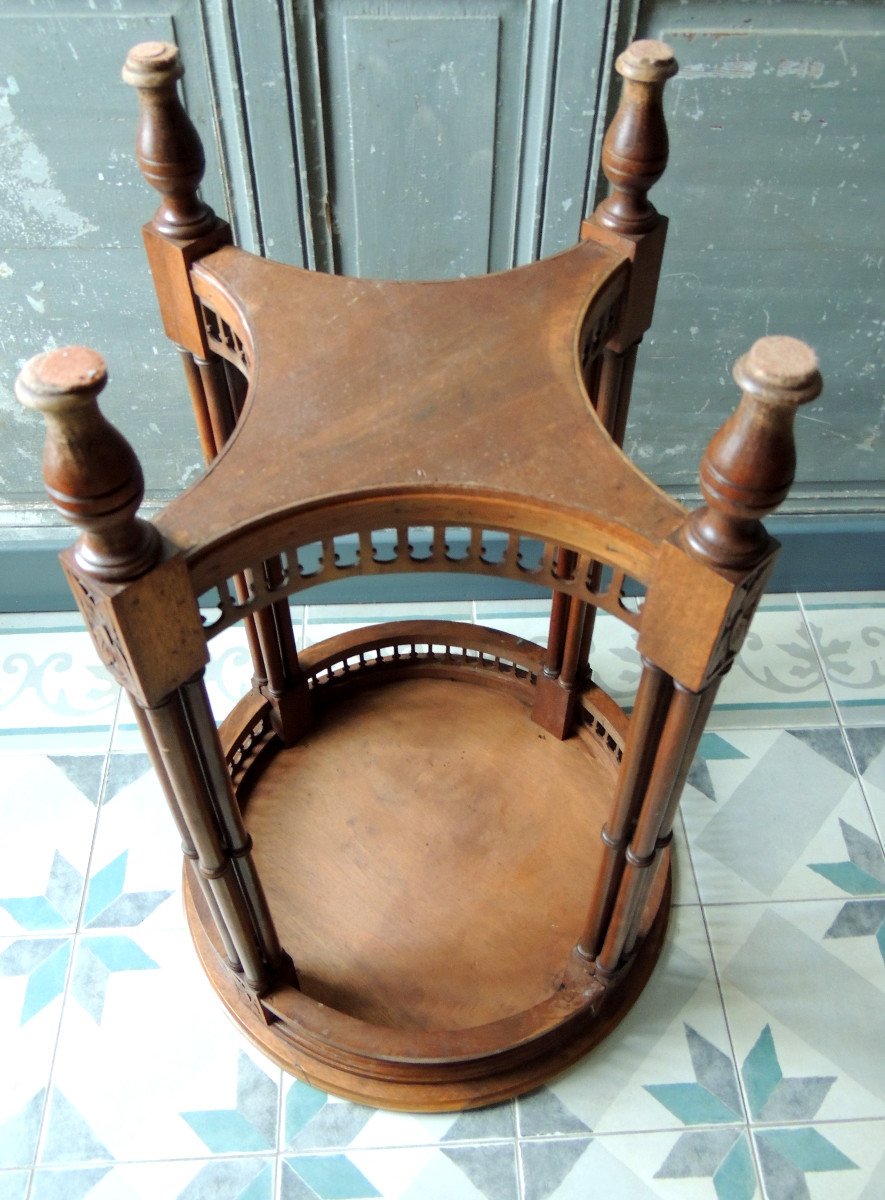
[
  {"x": 647, "y": 61},
  {"x": 634, "y": 153},
  {"x": 168, "y": 147},
  {"x": 750, "y": 462},
  {"x": 152, "y": 64},
  {"x": 779, "y": 370},
  {"x": 91, "y": 472}
]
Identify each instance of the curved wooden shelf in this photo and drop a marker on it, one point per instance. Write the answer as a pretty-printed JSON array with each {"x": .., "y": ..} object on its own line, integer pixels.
[{"x": 428, "y": 854}]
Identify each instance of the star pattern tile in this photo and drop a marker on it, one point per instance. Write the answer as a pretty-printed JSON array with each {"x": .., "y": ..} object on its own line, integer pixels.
[{"x": 723, "y": 1084}]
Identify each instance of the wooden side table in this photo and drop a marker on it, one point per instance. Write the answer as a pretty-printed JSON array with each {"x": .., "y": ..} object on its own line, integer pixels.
[{"x": 427, "y": 865}]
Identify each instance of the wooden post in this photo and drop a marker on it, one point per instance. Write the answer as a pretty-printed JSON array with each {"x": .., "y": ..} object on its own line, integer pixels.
[
  {"x": 646, "y": 723},
  {"x": 635, "y": 149},
  {"x": 634, "y": 156},
  {"x": 745, "y": 473},
  {"x": 170, "y": 156},
  {"x": 95, "y": 480}
]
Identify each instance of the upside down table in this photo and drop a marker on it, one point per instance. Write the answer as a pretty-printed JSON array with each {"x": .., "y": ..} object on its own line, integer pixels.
[{"x": 427, "y": 865}]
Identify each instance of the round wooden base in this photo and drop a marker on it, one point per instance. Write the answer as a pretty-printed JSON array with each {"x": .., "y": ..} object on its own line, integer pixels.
[{"x": 428, "y": 854}]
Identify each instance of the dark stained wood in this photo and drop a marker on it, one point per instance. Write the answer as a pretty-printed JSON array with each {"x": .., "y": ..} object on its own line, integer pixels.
[
  {"x": 750, "y": 463},
  {"x": 168, "y": 147},
  {"x": 461, "y": 842},
  {"x": 170, "y": 156},
  {"x": 390, "y": 829},
  {"x": 646, "y": 723},
  {"x": 634, "y": 153},
  {"x": 435, "y": 1090},
  {"x": 90, "y": 469}
]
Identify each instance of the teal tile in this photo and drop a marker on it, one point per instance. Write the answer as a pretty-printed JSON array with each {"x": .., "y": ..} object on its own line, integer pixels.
[
  {"x": 252, "y": 1125},
  {"x": 48, "y": 809},
  {"x": 19, "y": 1131},
  {"x": 330, "y": 1177},
  {"x": 713, "y": 1163},
  {"x": 848, "y": 632},
  {"x": 246, "y": 1178},
  {"x": 692, "y": 1104},
  {"x": 14, "y": 1185}
]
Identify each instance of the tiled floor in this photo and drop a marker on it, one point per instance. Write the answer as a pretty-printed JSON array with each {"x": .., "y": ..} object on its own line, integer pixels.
[{"x": 752, "y": 1066}]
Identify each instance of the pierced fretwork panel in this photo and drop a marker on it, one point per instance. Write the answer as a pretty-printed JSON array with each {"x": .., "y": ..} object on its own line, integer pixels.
[
  {"x": 420, "y": 647},
  {"x": 225, "y": 341},
  {"x": 415, "y": 548}
]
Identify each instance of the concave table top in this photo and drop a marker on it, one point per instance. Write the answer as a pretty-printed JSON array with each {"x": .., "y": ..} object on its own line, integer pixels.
[{"x": 413, "y": 389}]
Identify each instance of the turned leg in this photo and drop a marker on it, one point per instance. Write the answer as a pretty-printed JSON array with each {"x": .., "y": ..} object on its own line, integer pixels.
[
  {"x": 745, "y": 473},
  {"x": 186, "y": 741},
  {"x": 126, "y": 584},
  {"x": 646, "y": 725}
]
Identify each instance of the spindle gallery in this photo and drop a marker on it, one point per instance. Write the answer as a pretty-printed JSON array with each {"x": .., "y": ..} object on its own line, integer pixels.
[{"x": 426, "y": 864}]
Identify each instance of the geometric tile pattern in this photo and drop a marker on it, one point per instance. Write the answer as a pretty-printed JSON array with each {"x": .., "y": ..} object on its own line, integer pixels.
[{"x": 753, "y": 1064}]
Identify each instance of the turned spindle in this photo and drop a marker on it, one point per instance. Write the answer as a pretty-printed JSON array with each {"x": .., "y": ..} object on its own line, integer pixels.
[
  {"x": 92, "y": 474},
  {"x": 750, "y": 462},
  {"x": 168, "y": 147},
  {"x": 634, "y": 153}
]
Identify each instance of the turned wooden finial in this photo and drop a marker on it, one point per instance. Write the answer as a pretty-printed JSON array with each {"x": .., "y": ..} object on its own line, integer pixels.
[
  {"x": 167, "y": 146},
  {"x": 749, "y": 465},
  {"x": 91, "y": 472},
  {"x": 634, "y": 153}
]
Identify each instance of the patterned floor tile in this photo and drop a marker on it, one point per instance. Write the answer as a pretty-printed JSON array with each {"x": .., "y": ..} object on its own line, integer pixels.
[
  {"x": 779, "y": 814},
  {"x": 776, "y": 679},
  {"x": 458, "y": 1172},
  {"x": 220, "y": 1179},
  {"x": 47, "y": 814},
  {"x": 313, "y": 1120},
  {"x": 529, "y": 619},
  {"x": 868, "y": 749},
  {"x": 229, "y": 672},
  {"x": 51, "y": 679},
  {"x": 685, "y": 888},
  {"x": 849, "y": 634},
  {"x": 843, "y": 1161},
  {"x": 328, "y": 620},
  {"x": 804, "y": 992},
  {"x": 33, "y": 972},
  {"x": 14, "y": 1185},
  {"x": 667, "y": 1064},
  {"x": 614, "y": 659},
  {"x": 135, "y": 869},
  {"x": 704, "y": 1163},
  {"x": 148, "y": 1066}
]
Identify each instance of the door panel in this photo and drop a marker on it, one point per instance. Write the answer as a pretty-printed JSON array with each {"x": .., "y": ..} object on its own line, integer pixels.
[
  {"x": 774, "y": 192},
  {"x": 72, "y": 203}
]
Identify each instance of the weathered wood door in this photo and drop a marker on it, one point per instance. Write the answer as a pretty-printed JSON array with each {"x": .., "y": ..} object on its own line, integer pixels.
[{"x": 438, "y": 137}]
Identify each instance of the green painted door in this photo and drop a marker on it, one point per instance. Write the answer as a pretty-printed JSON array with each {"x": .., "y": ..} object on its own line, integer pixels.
[{"x": 416, "y": 138}]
